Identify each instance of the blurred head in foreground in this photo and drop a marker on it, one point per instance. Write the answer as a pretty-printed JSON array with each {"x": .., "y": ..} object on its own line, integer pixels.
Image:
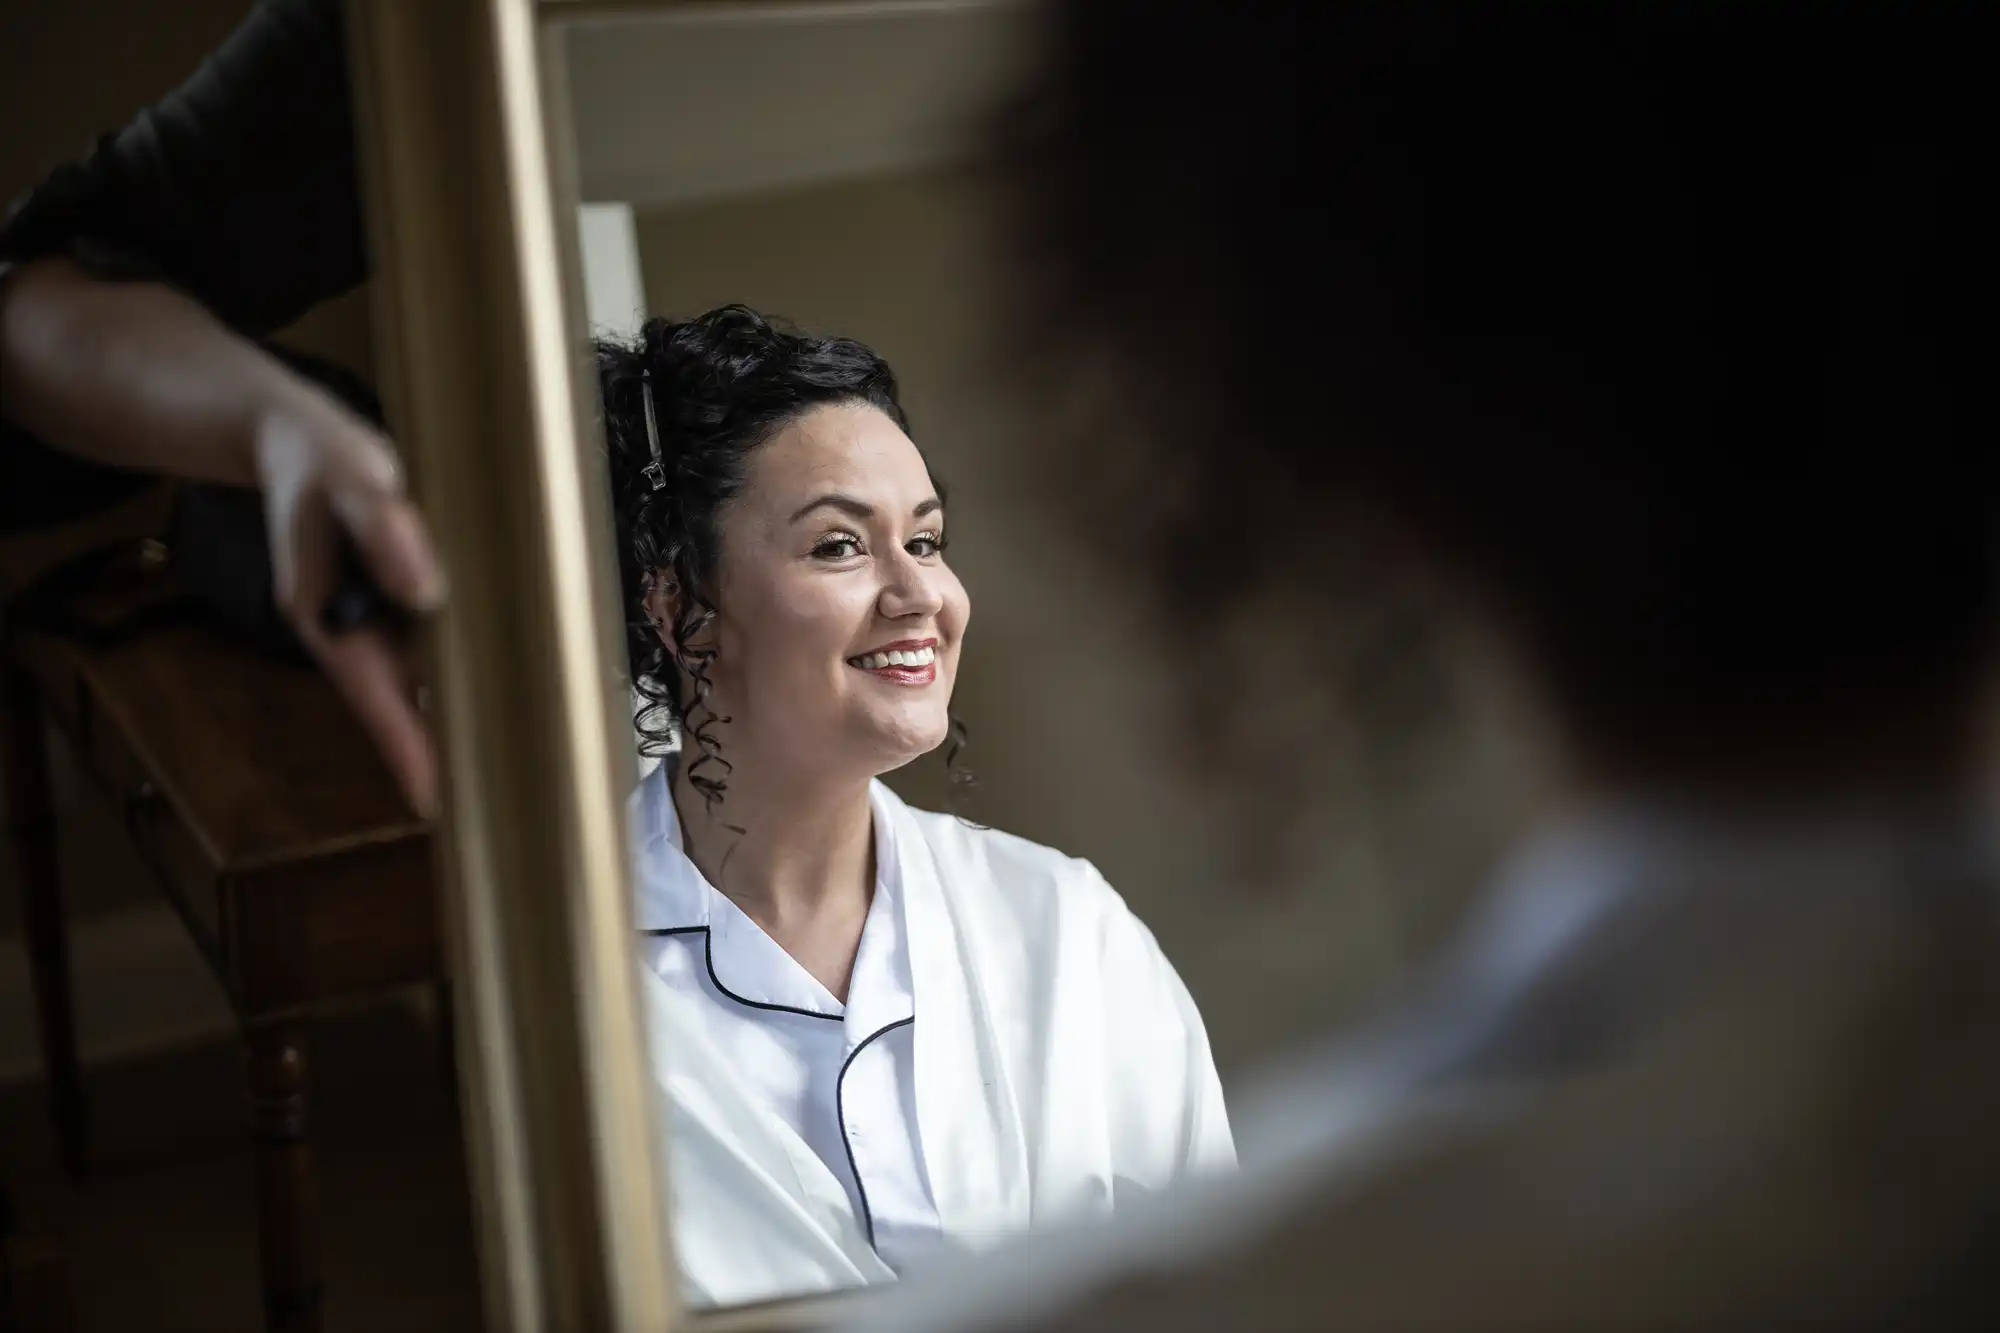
[{"x": 1642, "y": 327}]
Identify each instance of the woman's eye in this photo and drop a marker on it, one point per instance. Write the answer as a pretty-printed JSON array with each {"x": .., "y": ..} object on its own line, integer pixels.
[
  {"x": 926, "y": 544},
  {"x": 837, "y": 548}
]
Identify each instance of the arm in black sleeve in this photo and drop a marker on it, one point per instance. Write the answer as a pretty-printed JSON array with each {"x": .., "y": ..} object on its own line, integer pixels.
[{"x": 239, "y": 189}]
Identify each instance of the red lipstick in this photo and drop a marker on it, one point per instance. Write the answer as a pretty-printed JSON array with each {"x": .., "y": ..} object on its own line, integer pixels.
[{"x": 875, "y": 662}]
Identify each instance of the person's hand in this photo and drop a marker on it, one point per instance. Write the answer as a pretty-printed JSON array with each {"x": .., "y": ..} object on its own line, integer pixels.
[
  {"x": 141, "y": 377},
  {"x": 324, "y": 470}
]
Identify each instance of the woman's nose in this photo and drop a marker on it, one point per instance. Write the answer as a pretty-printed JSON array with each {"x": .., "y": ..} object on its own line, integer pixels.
[{"x": 908, "y": 589}]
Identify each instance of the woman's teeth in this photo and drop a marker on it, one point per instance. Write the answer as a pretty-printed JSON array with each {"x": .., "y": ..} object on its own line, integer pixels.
[{"x": 901, "y": 657}]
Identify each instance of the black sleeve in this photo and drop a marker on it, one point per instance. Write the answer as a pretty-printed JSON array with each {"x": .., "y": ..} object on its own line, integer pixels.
[{"x": 238, "y": 188}]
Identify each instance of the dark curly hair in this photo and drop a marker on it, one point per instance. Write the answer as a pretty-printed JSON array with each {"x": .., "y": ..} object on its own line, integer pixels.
[{"x": 722, "y": 385}]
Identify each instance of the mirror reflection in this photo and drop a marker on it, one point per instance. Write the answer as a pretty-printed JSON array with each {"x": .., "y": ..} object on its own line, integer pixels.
[
  {"x": 932, "y": 836},
  {"x": 886, "y": 1024}
]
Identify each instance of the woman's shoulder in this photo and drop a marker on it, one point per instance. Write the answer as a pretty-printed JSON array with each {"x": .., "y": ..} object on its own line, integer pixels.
[
  {"x": 1044, "y": 918},
  {"x": 1019, "y": 858},
  {"x": 1003, "y": 872}
]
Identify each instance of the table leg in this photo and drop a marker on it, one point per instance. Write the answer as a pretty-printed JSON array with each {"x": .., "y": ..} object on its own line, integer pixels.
[
  {"x": 287, "y": 1197},
  {"x": 31, "y": 821}
]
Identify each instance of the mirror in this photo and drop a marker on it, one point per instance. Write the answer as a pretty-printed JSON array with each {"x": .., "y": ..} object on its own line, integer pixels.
[
  {"x": 1108, "y": 930},
  {"x": 890, "y": 1020}
]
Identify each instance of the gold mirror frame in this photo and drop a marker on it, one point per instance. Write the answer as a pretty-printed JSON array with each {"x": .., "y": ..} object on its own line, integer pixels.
[{"x": 482, "y": 334}]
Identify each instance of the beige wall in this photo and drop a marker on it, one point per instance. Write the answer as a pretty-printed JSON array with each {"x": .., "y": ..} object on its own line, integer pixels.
[{"x": 1079, "y": 734}]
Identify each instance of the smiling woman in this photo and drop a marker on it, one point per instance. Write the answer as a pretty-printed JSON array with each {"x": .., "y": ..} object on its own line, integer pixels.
[{"x": 880, "y": 1033}]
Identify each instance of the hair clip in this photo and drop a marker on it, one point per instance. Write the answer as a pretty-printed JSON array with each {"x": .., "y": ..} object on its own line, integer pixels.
[{"x": 655, "y": 471}]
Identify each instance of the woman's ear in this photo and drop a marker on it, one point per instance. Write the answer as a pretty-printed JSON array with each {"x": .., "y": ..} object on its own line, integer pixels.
[{"x": 662, "y": 602}]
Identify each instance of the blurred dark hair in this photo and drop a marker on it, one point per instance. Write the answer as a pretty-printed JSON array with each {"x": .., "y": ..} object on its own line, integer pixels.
[
  {"x": 1647, "y": 320},
  {"x": 722, "y": 384}
]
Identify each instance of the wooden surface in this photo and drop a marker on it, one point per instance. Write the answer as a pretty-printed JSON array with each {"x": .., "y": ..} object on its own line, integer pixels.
[
  {"x": 248, "y": 788},
  {"x": 267, "y": 819},
  {"x": 24, "y": 555}
]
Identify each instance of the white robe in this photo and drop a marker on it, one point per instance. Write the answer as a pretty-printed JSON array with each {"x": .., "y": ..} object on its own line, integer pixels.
[{"x": 1061, "y": 1070}]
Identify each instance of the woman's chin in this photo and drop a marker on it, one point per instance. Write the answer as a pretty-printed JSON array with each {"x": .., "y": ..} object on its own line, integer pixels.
[{"x": 906, "y": 741}]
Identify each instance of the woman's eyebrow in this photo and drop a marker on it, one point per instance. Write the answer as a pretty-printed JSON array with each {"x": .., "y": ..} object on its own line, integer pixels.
[
  {"x": 859, "y": 510},
  {"x": 846, "y": 504}
]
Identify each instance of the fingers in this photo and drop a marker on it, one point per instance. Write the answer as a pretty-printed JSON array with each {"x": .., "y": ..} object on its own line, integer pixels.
[
  {"x": 368, "y": 672},
  {"x": 364, "y": 666},
  {"x": 303, "y": 551},
  {"x": 322, "y": 473},
  {"x": 390, "y": 534}
]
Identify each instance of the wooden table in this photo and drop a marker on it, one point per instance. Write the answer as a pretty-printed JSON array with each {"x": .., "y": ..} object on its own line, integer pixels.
[{"x": 270, "y": 825}]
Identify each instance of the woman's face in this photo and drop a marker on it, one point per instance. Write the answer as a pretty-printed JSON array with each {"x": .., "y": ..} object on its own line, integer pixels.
[{"x": 838, "y": 622}]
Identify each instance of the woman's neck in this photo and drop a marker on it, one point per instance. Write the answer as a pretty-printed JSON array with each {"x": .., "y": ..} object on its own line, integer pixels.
[{"x": 804, "y": 862}]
